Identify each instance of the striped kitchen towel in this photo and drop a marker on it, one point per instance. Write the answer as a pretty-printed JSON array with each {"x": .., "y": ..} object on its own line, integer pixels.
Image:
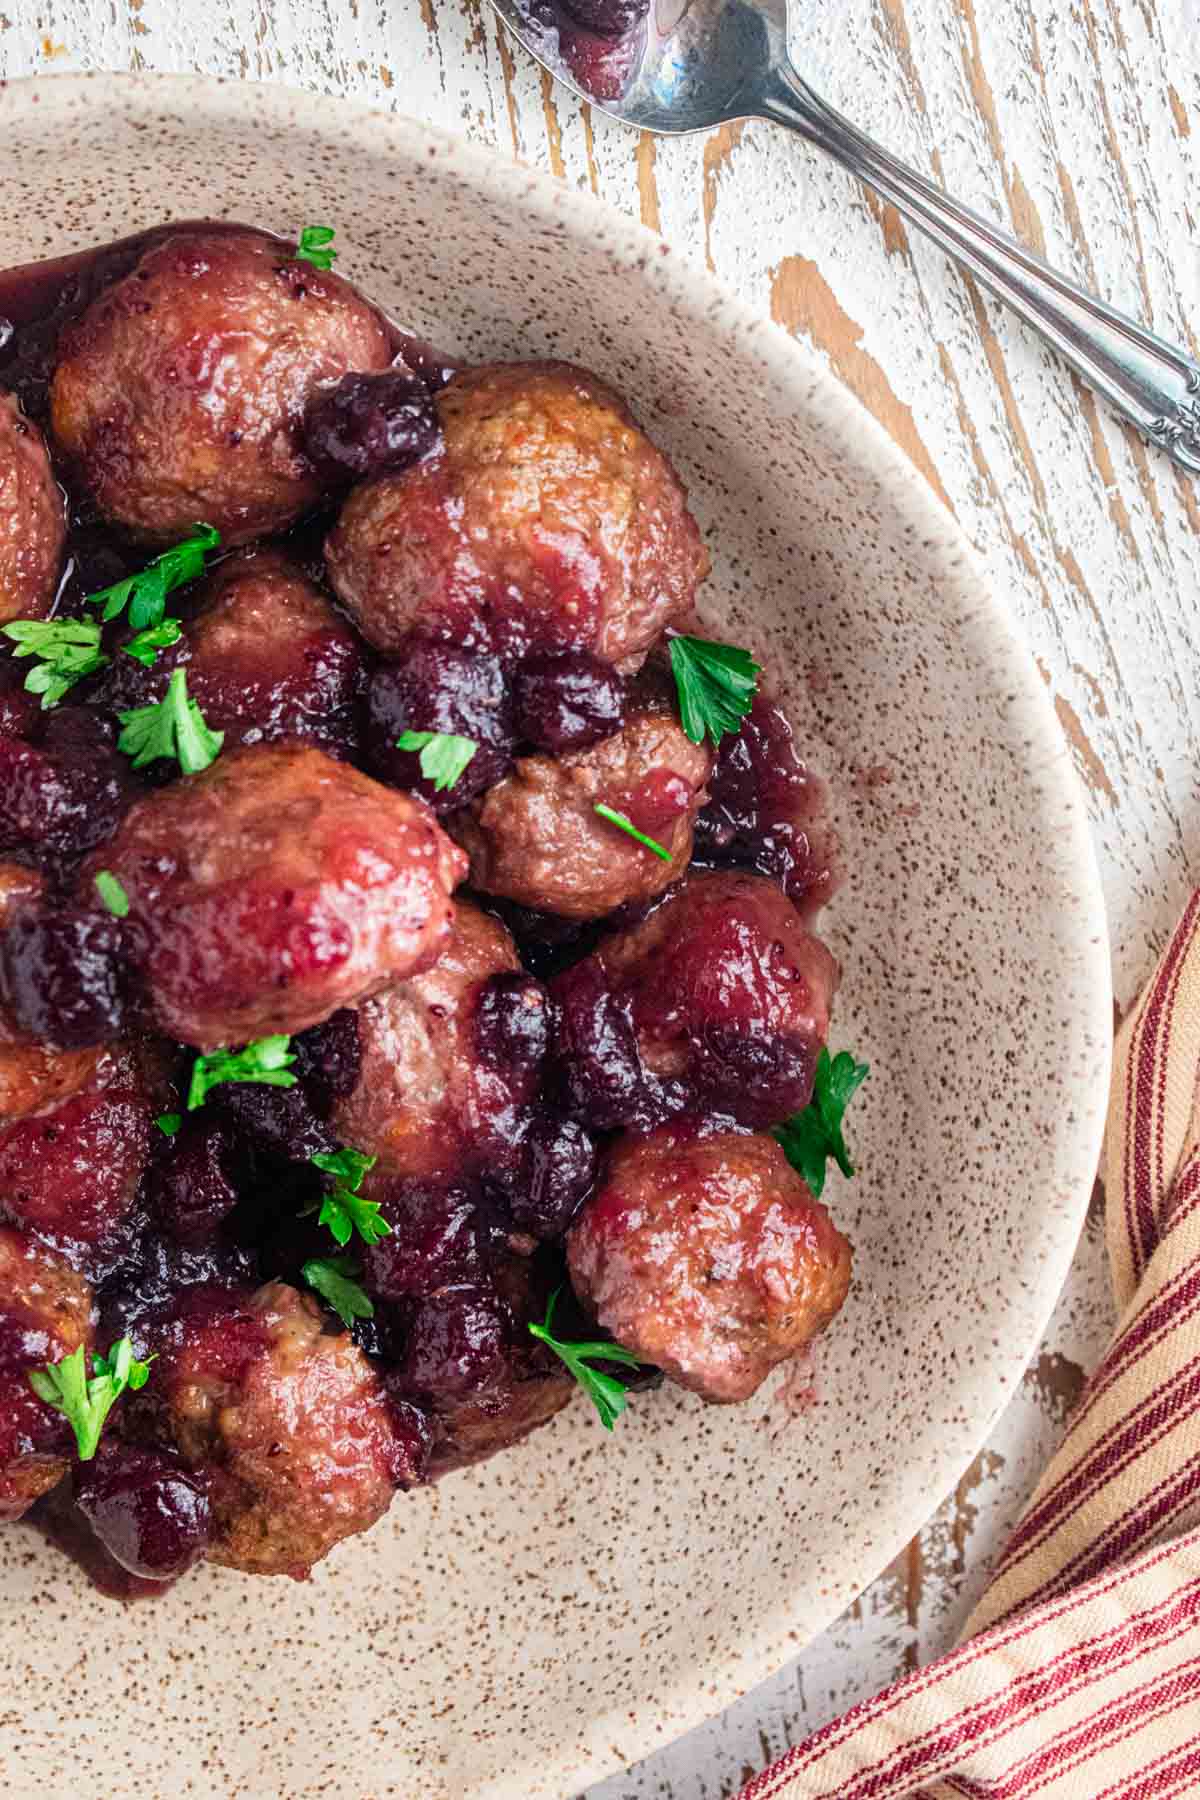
[{"x": 1079, "y": 1674}]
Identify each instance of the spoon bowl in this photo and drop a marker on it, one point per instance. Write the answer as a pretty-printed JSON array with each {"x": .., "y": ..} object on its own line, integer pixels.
[{"x": 691, "y": 66}]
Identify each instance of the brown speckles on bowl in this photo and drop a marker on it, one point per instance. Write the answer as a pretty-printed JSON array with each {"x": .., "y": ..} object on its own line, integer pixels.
[{"x": 528, "y": 1625}]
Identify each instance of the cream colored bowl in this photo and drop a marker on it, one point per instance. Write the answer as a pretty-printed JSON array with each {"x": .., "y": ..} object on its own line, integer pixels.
[{"x": 525, "y": 1628}]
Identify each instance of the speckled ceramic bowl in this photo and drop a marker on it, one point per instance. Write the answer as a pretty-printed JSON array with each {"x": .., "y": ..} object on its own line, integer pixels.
[{"x": 527, "y": 1627}]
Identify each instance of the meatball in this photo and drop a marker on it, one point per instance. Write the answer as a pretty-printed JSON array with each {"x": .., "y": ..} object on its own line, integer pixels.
[
  {"x": 267, "y": 657},
  {"x": 727, "y": 992},
  {"x": 33, "y": 524},
  {"x": 708, "y": 1256},
  {"x": 276, "y": 887},
  {"x": 70, "y": 1171},
  {"x": 45, "y": 1314},
  {"x": 180, "y": 394},
  {"x": 426, "y": 1101},
  {"x": 537, "y": 838},
  {"x": 287, "y": 1416},
  {"x": 547, "y": 521}
]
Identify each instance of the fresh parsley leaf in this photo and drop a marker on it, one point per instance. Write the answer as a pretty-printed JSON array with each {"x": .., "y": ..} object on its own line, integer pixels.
[
  {"x": 811, "y": 1137},
  {"x": 169, "y": 1123},
  {"x": 443, "y": 756},
  {"x": 716, "y": 684},
  {"x": 314, "y": 246},
  {"x": 112, "y": 894},
  {"x": 606, "y": 1392},
  {"x": 266, "y": 1060},
  {"x": 67, "y": 649},
  {"x": 172, "y": 727},
  {"x": 627, "y": 825},
  {"x": 345, "y": 1210},
  {"x": 87, "y": 1401},
  {"x": 145, "y": 593},
  {"x": 334, "y": 1279},
  {"x": 144, "y": 648}
]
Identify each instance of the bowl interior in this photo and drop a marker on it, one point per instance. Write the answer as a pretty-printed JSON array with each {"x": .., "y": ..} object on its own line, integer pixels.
[{"x": 526, "y": 1627}]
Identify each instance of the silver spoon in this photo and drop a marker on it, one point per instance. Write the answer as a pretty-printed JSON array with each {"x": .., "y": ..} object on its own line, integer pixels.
[{"x": 711, "y": 61}]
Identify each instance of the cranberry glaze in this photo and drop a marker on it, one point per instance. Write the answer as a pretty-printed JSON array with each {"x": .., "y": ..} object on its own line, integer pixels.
[{"x": 562, "y": 1052}]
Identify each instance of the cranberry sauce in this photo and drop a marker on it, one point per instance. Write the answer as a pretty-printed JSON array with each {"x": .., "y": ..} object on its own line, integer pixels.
[{"x": 765, "y": 812}]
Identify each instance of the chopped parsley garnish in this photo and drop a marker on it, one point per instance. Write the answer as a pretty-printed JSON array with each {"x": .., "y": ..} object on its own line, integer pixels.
[
  {"x": 87, "y": 1400},
  {"x": 266, "y": 1061},
  {"x": 443, "y": 755},
  {"x": 112, "y": 894},
  {"x": 145, "y": 593},
  {"x": 172, "y": 727},
  {"x": 314, "y": 246},
  {"x": 716, "y": 685},
  {"x": 606, "y": 1392},
  {"x": 67, "y": 650},
  {"x": 627, "y": 825},
  {"x": 811, "y": 1137},
  {"x": 344, "y": 1210},
  {"x": 144, "y": 648},
  {"x": 169, "y": 1123},
  {"x": 334, "y": 1279}
]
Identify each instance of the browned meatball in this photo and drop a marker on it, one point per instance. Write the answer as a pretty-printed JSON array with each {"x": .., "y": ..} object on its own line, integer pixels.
[
  {"x": 548, "y": 521},
  {"x": 537, "y": 838},
  {"x": 427, "y": 1102},
  {"x": 70, "y": 1171},
  {"x": 289, "y": 1419},
  {"x": 276, "y": 887},
  {"x": 33, "y": 525},
  {"x": 45, "y": 1314},
  {"x": 708, "y": 1256},
  {"x": 267, "y": 658},
  {"x": 179, "y": 396},
  {"x": 728, "y": 991}
]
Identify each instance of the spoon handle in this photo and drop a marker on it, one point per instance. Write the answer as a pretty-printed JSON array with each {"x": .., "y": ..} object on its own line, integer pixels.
[{"x": 1150, "y": 382}]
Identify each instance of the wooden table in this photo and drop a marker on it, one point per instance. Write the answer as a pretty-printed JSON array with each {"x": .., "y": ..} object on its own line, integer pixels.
[{"x": 1078, "y": 123}]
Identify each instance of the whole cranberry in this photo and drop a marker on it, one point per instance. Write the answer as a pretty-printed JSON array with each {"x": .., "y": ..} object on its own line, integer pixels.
[
  {"x": 607, "y": 18},
  {"x": 371, "y": 425},
  {"x": 432, "y": 1243},
  {"x": 329, "y": 1058},
  {"x": 62, "y": 976},
  {"x": 512, "y": 1023},
  {"x": 554, "y": 1174},
  {"x": 278, "y": 1122},
  {"x": 457, "y": 1343},
  {"x": 192, "y": 1189},
  {"x": 151, "y": 1513},
  {"x": 439, "y": 688},
  {"x": 567, "y": 702}
]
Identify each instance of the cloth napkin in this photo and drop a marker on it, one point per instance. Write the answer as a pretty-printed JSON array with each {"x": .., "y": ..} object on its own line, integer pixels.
[{"x": 1078, "y": 1677}]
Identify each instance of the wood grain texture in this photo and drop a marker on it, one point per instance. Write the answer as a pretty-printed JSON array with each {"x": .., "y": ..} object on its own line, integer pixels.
[{"x": 1077, "y": 123}]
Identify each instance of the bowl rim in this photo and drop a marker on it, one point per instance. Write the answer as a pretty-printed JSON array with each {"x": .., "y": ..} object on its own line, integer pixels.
[{"x": 938, "y": 538}]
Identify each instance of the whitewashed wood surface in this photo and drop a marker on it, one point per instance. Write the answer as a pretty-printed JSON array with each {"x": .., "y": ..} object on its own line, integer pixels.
[{"x": 1078, "y": 123}]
